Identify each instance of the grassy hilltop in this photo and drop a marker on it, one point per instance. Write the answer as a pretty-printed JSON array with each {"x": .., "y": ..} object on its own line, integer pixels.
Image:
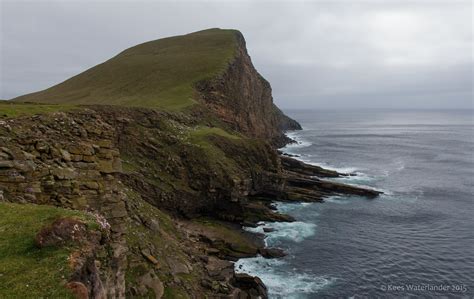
[{"x": 158, "y": 73}]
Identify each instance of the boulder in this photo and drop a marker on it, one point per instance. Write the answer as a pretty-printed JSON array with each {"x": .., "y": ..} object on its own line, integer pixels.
[
  {"x": 91, "y": 185},
  {"x": 6, "y": 151},
  {"x": 149, "y": 257},
  {"x": 60, "y": 232},
  {"x": 272, "y": 252},
  {"x": 268, "y": 229},
  {"x": 219, "y": 269},
  {"x": 150, "y": 280},
  {"x": 81, "y": 149},
  {"x": 88, "y": 159},
  {"x": 252, "y": 285},
  {"x": 110, "y": 166},
  {"x": 64, "y": 173},
  {"x": 153, "y": 225},
  {"x": 65, "y": 155},
  {"x": 104, "y": 143},
  {"x": 176, "y": 266}
]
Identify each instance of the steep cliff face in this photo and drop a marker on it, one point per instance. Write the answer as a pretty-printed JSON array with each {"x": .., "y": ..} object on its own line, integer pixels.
[
  {"x": 133, "y": 166},
  {"x": 241, "y": 97},
  {"x": 137, "y": 167},
  {"x": 208, "y": 69}
]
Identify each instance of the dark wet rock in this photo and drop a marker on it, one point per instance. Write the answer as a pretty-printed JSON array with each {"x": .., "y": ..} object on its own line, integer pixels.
[
  {"x": 304, "y": 188},
  {"x": 268, "y": 229},
  {"x": 252, "y": 286},
  {"x": 272, "y": 252},
  {"x": 296, "y": 166},
  {"x": 153, "y": 225},
  {"x": 287, "y": 154}
]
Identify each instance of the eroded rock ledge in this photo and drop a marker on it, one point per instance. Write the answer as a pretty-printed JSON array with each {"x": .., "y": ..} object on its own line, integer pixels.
[{"x": 175, "y": 199}]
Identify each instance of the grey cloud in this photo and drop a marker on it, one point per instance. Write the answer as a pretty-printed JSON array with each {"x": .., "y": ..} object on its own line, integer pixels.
[{"x": 327, "y": 54}]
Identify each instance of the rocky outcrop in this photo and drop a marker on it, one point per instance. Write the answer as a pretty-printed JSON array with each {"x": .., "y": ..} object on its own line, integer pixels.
[
  {"x": 298, "y": 167},
  {"x": 253, "y": 286},
  {"x": 242, "y": 98},
  {"x": 306, "y": 182},
  {"x": 115, "y": 160},
  {"x": 62, "y": 231},
  {"x": 67, "y": 161}
]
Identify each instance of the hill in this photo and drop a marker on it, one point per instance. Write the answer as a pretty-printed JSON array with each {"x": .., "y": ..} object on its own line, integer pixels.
[
  {"x": 208, "y": 70},
  {"x": 158, "y": 73}
]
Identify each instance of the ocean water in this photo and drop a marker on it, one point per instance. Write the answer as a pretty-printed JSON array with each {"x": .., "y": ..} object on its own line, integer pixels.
[{"x": 416, "y": 240}]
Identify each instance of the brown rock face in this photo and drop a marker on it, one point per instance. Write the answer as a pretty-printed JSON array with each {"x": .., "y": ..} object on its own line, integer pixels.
[{"x": 242, "y": 98}]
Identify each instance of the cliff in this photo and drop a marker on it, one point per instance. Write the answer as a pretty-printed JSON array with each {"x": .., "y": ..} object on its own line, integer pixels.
[
  {"x": 175, "y": 177},
  {"x": 241, "y": 97},
  {"x": 205, "y": 70}
]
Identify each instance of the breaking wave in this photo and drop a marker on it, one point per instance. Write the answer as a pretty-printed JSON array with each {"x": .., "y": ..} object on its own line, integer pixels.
[{"x": 281, "y": 282}]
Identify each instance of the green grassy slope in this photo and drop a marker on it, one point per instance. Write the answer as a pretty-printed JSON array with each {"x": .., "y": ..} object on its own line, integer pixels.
[
  {"x": 14, "y": 109},
  {"x": 25, "y": 270},
  {"x": 158, "y": 73}
]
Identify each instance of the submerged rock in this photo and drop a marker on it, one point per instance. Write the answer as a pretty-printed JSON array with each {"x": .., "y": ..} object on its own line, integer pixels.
[{"x": 272, "y": 252}]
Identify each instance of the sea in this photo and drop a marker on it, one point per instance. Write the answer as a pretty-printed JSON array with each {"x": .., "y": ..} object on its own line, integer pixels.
[{"x": 416, "y": 240}]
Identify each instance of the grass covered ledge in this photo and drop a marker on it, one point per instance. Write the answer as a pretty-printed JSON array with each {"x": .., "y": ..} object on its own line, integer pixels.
[{"x": 27, "y": 271}]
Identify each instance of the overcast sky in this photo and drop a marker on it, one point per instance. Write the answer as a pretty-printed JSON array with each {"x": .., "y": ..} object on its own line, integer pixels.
[{"x": 316, "y": 54}]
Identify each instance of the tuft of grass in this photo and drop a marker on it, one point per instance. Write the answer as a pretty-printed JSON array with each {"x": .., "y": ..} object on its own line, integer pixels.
[
  {"x": 200, "y": 133},
  {"x": 15, "y": 109},
  {"x": 25, "y": 270},
  {"x": 215, "y": 156},
  {"x": 160, "y": 73}
]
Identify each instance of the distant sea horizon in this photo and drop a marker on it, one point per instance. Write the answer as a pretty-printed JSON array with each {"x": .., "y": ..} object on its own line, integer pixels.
[
  {"x": 414, "y": 240},
  {"x": 293, "y": 110}
]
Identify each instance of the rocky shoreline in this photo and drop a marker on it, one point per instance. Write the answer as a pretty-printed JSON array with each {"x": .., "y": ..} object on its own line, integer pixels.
[
  {"x": 175, "y": 185},
  {"x": 305, "y": 183},
  {"x": 81, "y": 160}
]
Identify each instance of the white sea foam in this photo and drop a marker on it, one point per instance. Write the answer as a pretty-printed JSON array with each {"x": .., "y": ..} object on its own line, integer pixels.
[
  {"x": 300, "y": 142},
  {"x": 282, "y": 282},
  {"x": 295, "y": 231},
  {"x": 356, "y": 178},
  {"x": 338, "y": 199},
  {"x": 399, "y": 165},
  {"x": 284, "y": 207},
  {"x": 359, "y": 180},
  {"x": 309, "y": 160}
]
